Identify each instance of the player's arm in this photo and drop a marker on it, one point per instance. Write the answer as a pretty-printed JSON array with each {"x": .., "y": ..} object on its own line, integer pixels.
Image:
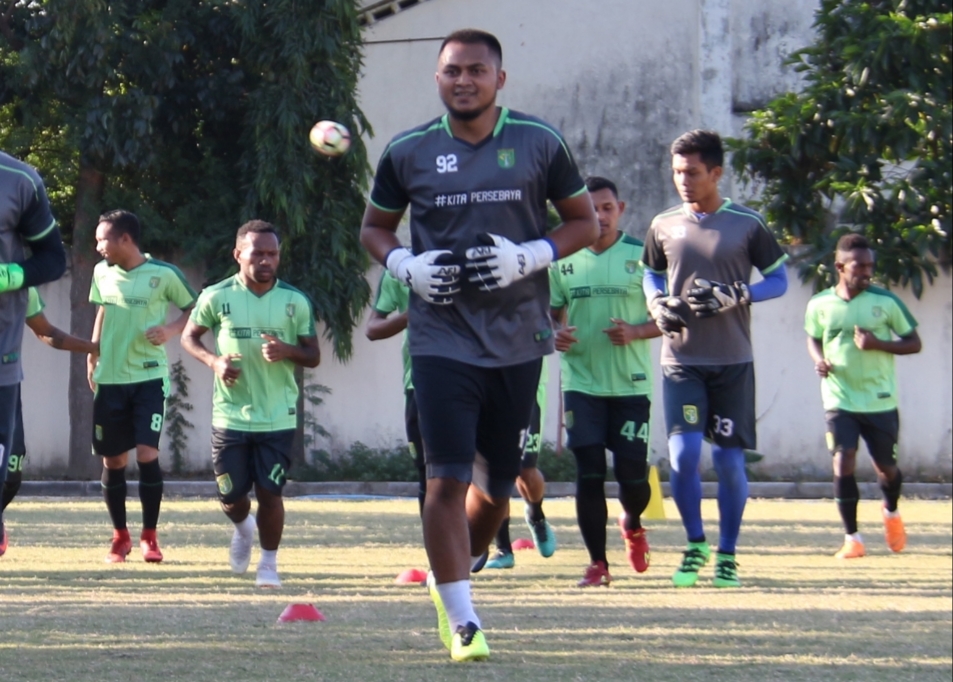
[
  {"x": 579, "y": 227},
  {"x": 381, "y": 326},
  {"x": 161, "y": 333},
  {"x": 622, "y": 333},
  {"x": 905, "y": 345},
  {"x": 92, "y": 358},
  {"x": 47, "y": 261},
  {"x": 822, "y": 366},
  {"x": 57, "y": 338},
  {"x": 565, "y": 337},
  {"x": 306, "y": 353},
  {"x": 225, "y": 366}
]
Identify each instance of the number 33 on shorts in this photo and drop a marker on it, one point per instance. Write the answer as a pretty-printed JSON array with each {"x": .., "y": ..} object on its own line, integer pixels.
[{"x": 722, "y": 426}]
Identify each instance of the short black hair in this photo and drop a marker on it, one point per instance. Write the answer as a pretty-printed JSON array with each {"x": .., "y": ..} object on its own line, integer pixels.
[
  {"x": 474, "y": 36},
  {"x": 123, "y": 222},
  {"x": 851, "y": 241},
  {"x": 705, "y": 143},
  {"x": 596, "y": 182},
  {"x": 257, "y": 227}
]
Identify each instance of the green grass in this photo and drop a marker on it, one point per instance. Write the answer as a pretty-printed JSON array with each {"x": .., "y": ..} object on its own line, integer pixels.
[{"x": 801, "y": 615}]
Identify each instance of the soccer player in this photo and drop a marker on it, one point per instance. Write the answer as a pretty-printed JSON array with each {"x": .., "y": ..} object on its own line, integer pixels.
[
  {"x": 394, "y": 296},
  {"x": 130, "y": 374},
  {"x": 532, "y": 488},
  {"x": 477, "y": 180},
  {"x": 850, "y": 336},
  {"x": 606, "y": 379},
  {"x": 25, "y": 219},
  {"x": 55, "y": 338},
  {"x": 263, "y": 328},
  {"x": 707, "y": 247}
]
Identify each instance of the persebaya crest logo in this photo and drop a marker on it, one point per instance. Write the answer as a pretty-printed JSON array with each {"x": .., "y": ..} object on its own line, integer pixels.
[
  {"x": 506, "y": 157},
  {"x": 224, "y": 484},
  {"x": 290, "y": 310},
  {"x": 877, "y": 311},
  {"x": 631, "y": 266},
  {"x": 154, "y": 282},
  {"x": 690, "y": 412}
]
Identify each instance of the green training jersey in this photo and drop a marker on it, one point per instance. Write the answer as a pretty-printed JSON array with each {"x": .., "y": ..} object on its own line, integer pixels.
[
  {"x": 393, "y": 295},
  {"x": 594, "y": 288},
  {"x": 133, "y": 302},
  {"x": 265, "y": 396},
  {"x": 861, "y": 380},
  {"x": 34, "y": 304}
]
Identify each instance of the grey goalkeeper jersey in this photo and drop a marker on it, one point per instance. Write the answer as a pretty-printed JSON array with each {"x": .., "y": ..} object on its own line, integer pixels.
[
  {"x": 24, "y": 216},
  {"x": 721, "y": 247},
  {"x": 456, "y": 191}
]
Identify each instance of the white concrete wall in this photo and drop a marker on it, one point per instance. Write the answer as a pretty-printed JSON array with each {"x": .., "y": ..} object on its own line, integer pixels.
[{"x": 620, "y": 79}]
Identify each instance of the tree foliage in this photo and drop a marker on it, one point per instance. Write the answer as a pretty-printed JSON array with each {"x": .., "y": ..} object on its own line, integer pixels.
[
  {"x": 197, "y": 114},
  {"x": 866, "y": 144}
]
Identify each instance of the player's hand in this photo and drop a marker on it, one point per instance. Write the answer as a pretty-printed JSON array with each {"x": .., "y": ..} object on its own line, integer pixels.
[
  {"x": 158, "y": 335},
  {"x": 665, "y": 311},
  {"x": 11, "y": 277},
  {"x": 823, "y": 367},
  {"x": 565, "y": 338},
  {"x": 431, "y": 274},
  {"x": 91, "y": 361},
  {"x": 497, "y": 262},
  {"x": 227, "y": 368},
  {"x": 274, "y": 349},
  {"x": 711, "y": 298},
  {"x": 621, "y": 332},
  {"x": 865, "y": 339}
]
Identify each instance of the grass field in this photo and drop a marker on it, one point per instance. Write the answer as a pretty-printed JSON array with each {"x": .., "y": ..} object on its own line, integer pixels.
[{"x": 801, "y": 615}]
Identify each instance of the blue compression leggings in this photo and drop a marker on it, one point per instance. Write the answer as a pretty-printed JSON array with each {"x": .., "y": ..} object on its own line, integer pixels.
[{"x": 685, "y": 452}]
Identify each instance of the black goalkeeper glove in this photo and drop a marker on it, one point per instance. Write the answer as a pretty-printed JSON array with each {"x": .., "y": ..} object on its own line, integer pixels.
[
  {"x": 665, "y": 311},
  {"x": 710, "y": 298}
]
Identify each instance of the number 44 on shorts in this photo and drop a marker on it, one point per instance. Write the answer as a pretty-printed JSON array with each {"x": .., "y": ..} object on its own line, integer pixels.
[{"x": 629, "y": 431}]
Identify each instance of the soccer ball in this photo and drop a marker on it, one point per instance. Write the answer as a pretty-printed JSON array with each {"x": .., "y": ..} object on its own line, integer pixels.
[{"x": 330, "y": 138}]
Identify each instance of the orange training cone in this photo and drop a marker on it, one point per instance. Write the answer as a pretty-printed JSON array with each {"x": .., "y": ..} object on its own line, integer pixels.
[
  {"x": 295, "y": 612},
  {"x": 411, "y": 576}
]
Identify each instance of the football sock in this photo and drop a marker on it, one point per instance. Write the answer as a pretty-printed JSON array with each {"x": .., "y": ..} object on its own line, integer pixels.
[
  {"x": 114, "y": 493},
  {"x": 891, "y": 492},
  {"x": 846, "y": 495},
  {"x": 634, "y": 490},
  {"x": 10, "y": 487},
  {"x": 685, "y": 451},
  {"x": 269, "y": 557},
  {"x": 535, "y": 511},
  {"x": 247, "y": 526},
  {"x": 592, "y": 514},
  {"x": 150, "y": 492},
  {"x": 732, "y": 494},
  {"x": 503, "y": 542},
  {"x": 457, "y": 603}
]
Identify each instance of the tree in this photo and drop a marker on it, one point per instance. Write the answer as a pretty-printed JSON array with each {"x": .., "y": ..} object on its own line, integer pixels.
[
  {"x": 194, "y": 114},
  {"x": 865, "y": 145}
]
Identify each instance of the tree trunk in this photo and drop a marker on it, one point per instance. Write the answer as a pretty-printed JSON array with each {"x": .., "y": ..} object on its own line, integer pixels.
[{"x": 89, "y": 195}]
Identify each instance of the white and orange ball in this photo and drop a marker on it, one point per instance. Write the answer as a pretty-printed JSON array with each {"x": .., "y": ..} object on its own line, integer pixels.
[{"x": 330, "y": 138}]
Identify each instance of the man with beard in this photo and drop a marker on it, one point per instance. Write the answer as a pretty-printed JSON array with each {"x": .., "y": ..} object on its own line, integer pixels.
[
  {"x": 262, "y": 327},
  {"x": 850, "y": 336},
  {"x": 477, "y": 180}
]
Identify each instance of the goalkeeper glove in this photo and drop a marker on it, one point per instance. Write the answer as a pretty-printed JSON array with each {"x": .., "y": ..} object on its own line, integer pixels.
[
  {"x": 431, "y": 274},
  {"x": 498, "y": 262},
  {"x": 11, "y": 277},
  {"x": 665, "y": 312},
  {"x": 709, "y": 298}
]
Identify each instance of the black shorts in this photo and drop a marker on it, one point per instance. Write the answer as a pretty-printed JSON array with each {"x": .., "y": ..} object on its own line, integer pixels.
[
  {"x": 465, "y": 410},
  {"x": 243, "y": 458},
  {"x": 534, "y": 438},
  {"x": 18, "y": 449},
  {"x": 9, "y": 399},
  {"x": 127, "y": 415},
  {"x": 717, "y": 400},
  {"x": 620, "y": 424},
  {"x": 412, "y": 424},
  {"x": 880, "y": 431}
]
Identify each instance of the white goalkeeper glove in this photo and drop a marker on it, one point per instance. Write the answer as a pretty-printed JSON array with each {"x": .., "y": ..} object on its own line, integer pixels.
[
  {"x": 431, "y": 274},
  {"x": 710, "y": 298},
  {"x": 498, "y": 262},
  {"x": 668, "y": 319}
]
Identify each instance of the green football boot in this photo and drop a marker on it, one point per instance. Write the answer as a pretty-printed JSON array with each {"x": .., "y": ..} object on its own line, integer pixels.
[
  {"x": 469, "y": 644},
  {"x": 693, "y": 559},
  {"x": 443, "y": 623},
  {"x": 726, "y": 571}
]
